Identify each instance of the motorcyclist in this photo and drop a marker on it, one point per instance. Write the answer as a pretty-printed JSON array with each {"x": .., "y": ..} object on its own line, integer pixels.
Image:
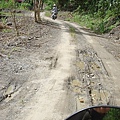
[{"x": 54, "y": 9}]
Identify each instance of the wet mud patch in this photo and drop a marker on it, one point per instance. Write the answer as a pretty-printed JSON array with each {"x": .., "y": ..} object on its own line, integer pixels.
[{"x": 89, "y": 82}]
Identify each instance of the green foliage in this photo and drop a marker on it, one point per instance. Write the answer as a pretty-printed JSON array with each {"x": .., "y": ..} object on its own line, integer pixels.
[
  {"x": 113, "y": 114},
  {"x": 49, "y": 4},
  {"x": 72, "y": 29},
  {"x": 101, "y": 27},
  {"x": 6, "y": 30},
  {"x": 24, "y": 5},
  {"x": 48, "y": 13},
  {"x": 99, "y": 15},
  {"x": 95, "y": 22},
  {"x": 9, "y": 4},
  {"x": 27, "y": 4},
  {"x": 76, "y": 18},
  {"x": 3, "y": 20}
]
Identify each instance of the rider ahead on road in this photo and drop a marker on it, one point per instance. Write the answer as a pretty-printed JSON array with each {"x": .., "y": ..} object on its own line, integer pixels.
[{"x": 55, "y": 10}]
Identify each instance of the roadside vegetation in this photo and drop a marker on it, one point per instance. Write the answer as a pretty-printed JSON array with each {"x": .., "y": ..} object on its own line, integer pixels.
[
  {"x": 113, "y": 114},
  {"x": 8, "y": 8},
  {"x": 15, "y": 8},
  {"x": 100, "y": 16}
]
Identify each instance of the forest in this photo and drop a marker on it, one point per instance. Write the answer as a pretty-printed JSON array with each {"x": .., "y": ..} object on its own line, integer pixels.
[{"x": 100, "y": 16}]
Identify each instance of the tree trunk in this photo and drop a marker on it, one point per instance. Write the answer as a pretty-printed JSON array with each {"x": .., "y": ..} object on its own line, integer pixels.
[{"x": 37, "y": 5}]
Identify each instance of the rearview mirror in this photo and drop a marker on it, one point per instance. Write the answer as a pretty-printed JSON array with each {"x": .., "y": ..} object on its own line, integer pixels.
[{"x": 97, "y": 113}]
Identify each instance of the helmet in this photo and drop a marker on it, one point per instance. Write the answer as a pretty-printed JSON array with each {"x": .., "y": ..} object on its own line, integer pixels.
[{"x": 54, "y": 5}]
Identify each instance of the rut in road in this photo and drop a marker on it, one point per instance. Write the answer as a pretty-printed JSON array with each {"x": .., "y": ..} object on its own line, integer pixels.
[
  {"x": 89, "y": 84},
  {"x": 53, "y": 102},
  {"x": 97, "y": 77}
]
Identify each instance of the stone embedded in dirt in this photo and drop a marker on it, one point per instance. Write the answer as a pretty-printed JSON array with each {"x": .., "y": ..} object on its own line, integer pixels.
[
  {"x": 81, "y": 100},
  {"x": 20, "y": 68},
  {"x": 111, "y": 33},
  {"x": 35, "y": 89},
  {"x": 30, "y": 38},
  {"x": 27, "y": 87},
  {"x": 3, "y": 87},
  {"x": 115, "y": 32},
  {"x": 23, "y": 37},
  {"x": 9, "y": 23},
  {"x": 2, "y": 97},
  {"x": 90, "y": 75},
  {"x": 117, "y": 38},
  {"x": 9, "y": 95},
  {"x": 1, "y": 55}
]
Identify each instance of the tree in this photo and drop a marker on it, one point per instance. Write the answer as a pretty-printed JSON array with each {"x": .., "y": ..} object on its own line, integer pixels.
[{"x": 37, "y": 8}]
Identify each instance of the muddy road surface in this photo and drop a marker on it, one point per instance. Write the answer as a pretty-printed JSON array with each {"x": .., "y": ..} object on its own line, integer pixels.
[{"x": 54, "y": 69}]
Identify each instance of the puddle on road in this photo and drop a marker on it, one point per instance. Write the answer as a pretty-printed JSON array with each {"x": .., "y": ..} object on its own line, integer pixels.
[
  {"x": 102, "y": 96},
  {"x": 96, "y": 96},
  {"x": 75, "y": 83},
  {"x": 76, "y": 90},
  {"x": 81, "y": 65}
]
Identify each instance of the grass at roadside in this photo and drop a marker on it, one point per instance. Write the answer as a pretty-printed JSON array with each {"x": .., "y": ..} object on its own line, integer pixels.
[
  {"x": 94, "y": 22},
  {"x": 48, "y": 13}
]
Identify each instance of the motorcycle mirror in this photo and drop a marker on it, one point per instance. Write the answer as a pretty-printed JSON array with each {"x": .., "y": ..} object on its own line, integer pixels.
[{"x": 97, "y": 113}]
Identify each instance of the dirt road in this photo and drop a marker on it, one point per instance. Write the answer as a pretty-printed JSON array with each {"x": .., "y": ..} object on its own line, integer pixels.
[
  {"x": 67, "y": 71},
  {"x": 53, "y": 101}
]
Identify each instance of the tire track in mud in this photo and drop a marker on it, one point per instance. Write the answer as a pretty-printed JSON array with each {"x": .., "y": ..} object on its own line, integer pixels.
[{"x": 92, "y": 73}]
